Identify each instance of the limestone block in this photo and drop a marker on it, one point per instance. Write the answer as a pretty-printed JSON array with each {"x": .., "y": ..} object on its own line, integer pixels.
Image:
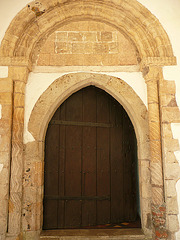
[
  {"x": 33, "y": 150},
  {"x": 145, "y": 171},
  {"x": 3, "y": 226},
  {"x": 168, "y": 87},
  {"x": 67, "y": 60},
  {"x": 19, "y": 87},
  {"x": 4, "y": 193},
  {"x": 146, "y": 204},
  {"x": 100, "y": 48},
  {"x": 170, "y": 144},
  {"x": 18, "y": 100},
  {"x": 14, "y": 222},
  {"x": 33, "y": 174},
  {"x": 18, "y": 73},
  {"x": 168, "y": 100},
  {"x": 29, "y": 235},
  {"x": 29, "y": 194},
  {"x": 44, "y": 60},
  {"x": 63, "y": 47},
  {"x": 157, "y": 195},
  {"x": 172, "y": 171},
  {"x": 113, "y": 47},
  {"x": 48, "y": 47},
  {"x": 89, "y": 36},
  {"x": 75, "y": 36},
  {"x": 6, "y": 98},
  {"x": 146, "y": 215},
  {"x": 5, "y": 144},
  {"x": 92, "y": 59},
  {"x": 156, "y": 151},
  {"x": 88, "y": 47},
  {"x": 106, "y": 36},
  {"x": 18, "y": 116},
  {"x": 169, "y": 156},
  {"x": 61, "y": 36},
  {"x": 154, "y": 131},
  {"x": 5, "y": 158},
  {"x": 5, "y": 127},
  {"x": 170, "y": 188},
  {"x": 166, "y": 130},
  {"x": 6, "y": 85},
  {"x": 156, "y": 173},
  {"x": 7, "y": 112},
  {"x": 28, "y": 175},
  {"x": 170, "y": 114},
  {"x": 17, "y": 135},
  {"x": 153, "y": 109},
  {"x": 145, "y": 150},
  {"x": 146, "y": 190},
  {"x": 78, "y": 48},
  {"x": 173, "y": 224},
  {"x": 39, "y": 168},
  {"x": 3, "y": 208},
  {"x": 172, "y": 206}
]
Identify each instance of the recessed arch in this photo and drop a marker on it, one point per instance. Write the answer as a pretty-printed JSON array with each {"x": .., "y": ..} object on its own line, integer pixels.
[
  {"x": 65, "y": 86},
  {"x": 131, "y": 18}
]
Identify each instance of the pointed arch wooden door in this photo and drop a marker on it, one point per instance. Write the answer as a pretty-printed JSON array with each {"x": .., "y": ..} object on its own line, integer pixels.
[{"x": 90, "y": 158}]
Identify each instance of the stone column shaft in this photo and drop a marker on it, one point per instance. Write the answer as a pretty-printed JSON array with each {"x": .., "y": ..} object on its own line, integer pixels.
[
  {"x": 6, "y": 91},
  {"x": 19, "y": 76},
  {"x": 152, "y": 80}
]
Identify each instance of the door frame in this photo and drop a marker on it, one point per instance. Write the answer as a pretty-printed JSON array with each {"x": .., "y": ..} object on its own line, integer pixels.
[{"x": 42, "y": 113}]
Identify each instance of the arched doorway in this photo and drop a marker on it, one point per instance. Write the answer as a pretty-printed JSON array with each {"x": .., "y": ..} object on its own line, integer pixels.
[{"x": 90, "y": 163}]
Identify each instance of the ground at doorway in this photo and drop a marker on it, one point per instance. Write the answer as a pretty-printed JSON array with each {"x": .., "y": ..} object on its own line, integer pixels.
[{"x": 95, "y": 234}]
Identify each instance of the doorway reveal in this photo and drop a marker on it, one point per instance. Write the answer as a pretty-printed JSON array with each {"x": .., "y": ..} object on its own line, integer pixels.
[{"x": 90, "y": 163}]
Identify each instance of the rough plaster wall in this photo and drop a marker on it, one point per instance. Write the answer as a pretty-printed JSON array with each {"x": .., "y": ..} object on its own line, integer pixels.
[{"x": 41, "y": 81}]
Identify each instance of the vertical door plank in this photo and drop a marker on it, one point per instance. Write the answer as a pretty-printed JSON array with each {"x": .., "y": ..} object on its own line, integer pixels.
[
  {"x": 62, "y": 139},
  {"x": 89, "y": 157},
  {"x": 51, "y": 175},
  {"x": 50, "y": 214},
  {"x": 103, "y": 164},
  {"x": 116, "y": 163},
  {"x": 129, "y": 170},
  {"x": 72, "y": 214},
  {"x": 73, "y": 160}
]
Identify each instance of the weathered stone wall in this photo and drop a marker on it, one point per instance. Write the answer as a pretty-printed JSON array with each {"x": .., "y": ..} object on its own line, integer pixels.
[
  {"x": 170, "y": 114},
  {"x": 23, "y": 44},
  {"x": 6, "y": 99}
]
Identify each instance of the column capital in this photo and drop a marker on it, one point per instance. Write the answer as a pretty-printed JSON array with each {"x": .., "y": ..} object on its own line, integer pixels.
[
  {"x": 152, "y": 73},
  {"x": 18, "y": 73},
  {"x": 158, "y": 61},
  {"x": 16, "y": 62}
]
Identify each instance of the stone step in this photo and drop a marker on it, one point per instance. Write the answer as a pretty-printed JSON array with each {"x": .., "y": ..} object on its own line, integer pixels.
[{"x": 93, "y": 234}]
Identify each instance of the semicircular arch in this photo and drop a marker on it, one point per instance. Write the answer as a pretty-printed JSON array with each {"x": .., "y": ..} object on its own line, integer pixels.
[{"x": 132, "y": 18}]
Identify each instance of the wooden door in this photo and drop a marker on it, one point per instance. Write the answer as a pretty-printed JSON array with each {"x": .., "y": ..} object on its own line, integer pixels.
[{"x": 90, "y": 158}]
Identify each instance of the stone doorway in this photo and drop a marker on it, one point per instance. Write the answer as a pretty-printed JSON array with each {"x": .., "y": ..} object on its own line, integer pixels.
[
  {"x": 46, "y": 106},
  {"x": 90, "y": 164}
]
